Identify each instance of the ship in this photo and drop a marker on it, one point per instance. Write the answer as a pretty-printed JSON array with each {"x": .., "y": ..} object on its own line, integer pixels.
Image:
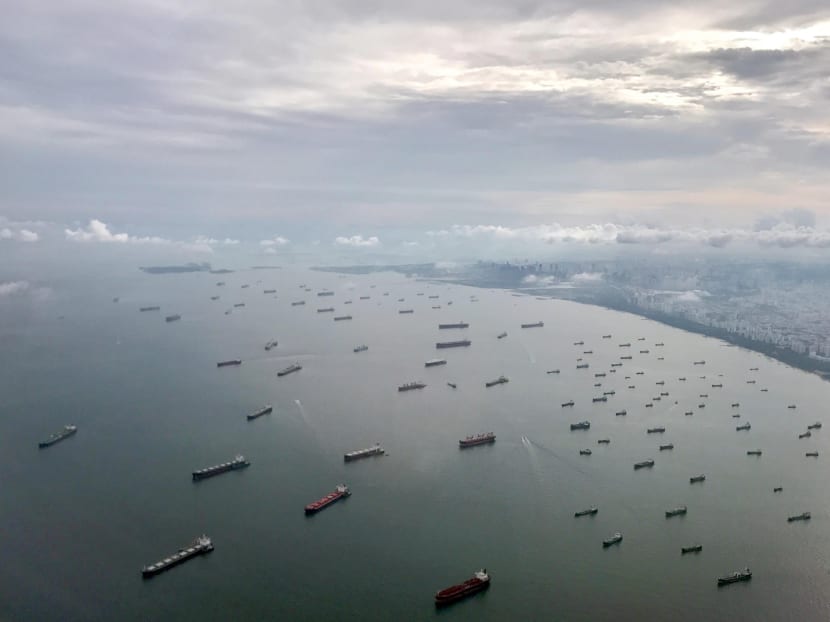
[
  {"x": 435, "y": 362},
  {"x": 695, "y": 548},
  {"x": 434, "y": 297},
  {"x": 409, "y": 386},
  {"x": 806, "y": 434},
  {"x": 601, "y": 398},
  {"x": 172, "y": 318},
  {"x": 499, "y": 380},
  {"x": 802, "y": 516},
  {"x": 534, "y": 325},
  {"x": 298, "y": 303},
  {"x": 625, "y": 345},
  {"x": 736, "y": 404},
  {"x": 745, "y": 426},
  {"x": 791, "y": 406},
  {"x": 717, "y": 386},
  {"x": 660, "y": 382},
  {"x": 603, "y": 441},
  {"x": 479, "y": 581},
  {"x": 374, "y": 450},
  {"x": 271, "y": 344},
  {"x": 214, "y": 297},
  {"x": 477, "y": 439},
  {"x": 326, "y": 293},
  {"x": 588, "y": 352},
  {"x": 245, "y": 286},
  {"x": 149, "y": 308},
  {"x": 579, "y": 343},
  {"x": 814, "y": 426},
  {"x": 200, "y": 545},
  {"x": 606, "y": 336},
  {"x": 740, "y": 575},
  {"x": 340, "y": 318},
  {"x": 621, "y": 413},
  {"x": 365, "y": 297},
  {"x": 455, "y": 325},
  {"x": 289, "y": 370},
  {"x": 68, "y": 430},
  {"x": 585, "y": 452},
  {"x": 753, "y": 452},
  {"x": 452, "y": 385},
  {"x": 644, "y": 464},
  {"x": 812, "y": 454},
  {"x": 582, "y": 366},
  {"x": 600, "y": 375},
  {"x": 660, "y": 345},
  {"x": 589, "y": 512},
  {"x": 649, "y": 405},
  {"x": 362, "y": 348},
  {"x": 238, "y": 462},
  {"x": 658, "y": 430},
  {"x": 582, "y": 425},
  {"x": 453, "y": 344},
  {"x": 501, "y": 335},
  {"x": 568, "y": 403},
  {"x": 265, "y": 410},
  {"x": 229, "y": 362},
  {"x": 644, "y": 352},
  {"x": 697, "y": 478},
  {"x": 326, "y": 310},
  {"x": 616, "y": 364},
  {"x": 612, "y": 392},
  {"x": 405, "y": 311},
  {"x": 626, "y": 358},
  {"x": 341, "y": 492},
  {"x": 682, "y": 379},
  {"x": 678, "y": 511},
  {"x": 615, "y": 539},
  {"x": 552, "y": 371},
  {"x": 777, "y": 489},
  {"x": 239, "y": 304},
  {"x": 269, "y": 291},
  {"x": 667, "y": 447},
  {"x": 699, "y": 363}
]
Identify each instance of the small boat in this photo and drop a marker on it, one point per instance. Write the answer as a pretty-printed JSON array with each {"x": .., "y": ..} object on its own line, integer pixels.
[
  {"x": 584, "y": 452},
  {"x": 670, "y": 446},
  {"x": 812, "y": 454},
  {"x": 753, "y": 452},
  {"x": 615, "y": 539},
  {"x": 697, "y": 478},
  {"x": 806, "y": 434},
  {"x": 695, "y": 548},
  {"x": 797, "y": 517},
  {"x": 743, "y": 427},
  {"x": 591, "y": 511},
  {"x": 740, "y": 575},
  {"x": 644, "y": 464},
  {"x": 680, "y": 510}
]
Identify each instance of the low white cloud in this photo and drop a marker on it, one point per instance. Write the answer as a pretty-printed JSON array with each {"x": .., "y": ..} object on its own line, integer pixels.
[
  {"x": 20, "y": 235},
  {"x": 201, "y": 239},
  {"x": 587, "y": 277},
  {"x": 532, "y": 279},
  {"x": 690, "y": 296},
  {"x": 275, "y": 241},
  {"x": 357, "y": 241},
  {"x": 97, "y": 231},
  {"x": 13, "y": 287}
]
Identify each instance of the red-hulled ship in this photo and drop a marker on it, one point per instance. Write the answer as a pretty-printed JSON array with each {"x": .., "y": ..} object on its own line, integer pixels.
[
  {"x": 478, "y": 439},
  {"x": 479, "y": 581},
  {"x": 341, "y": 492}
]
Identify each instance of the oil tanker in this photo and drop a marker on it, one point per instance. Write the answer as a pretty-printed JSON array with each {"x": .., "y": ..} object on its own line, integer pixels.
[
  {"x": 68, "y": 430},
  {"x": 265, "y": 410},
  {"x": 374, "y": 450},
  {"x": 455, "y": 325},
  {"x": 477, "y": 439},
  {"x": 200, "y": 546},
  {"x": 453, "y": 344},
  {"x": 479, "y": 581},
  {"x": 237, "y": 463},
  {"x": 341, "y": 492}
]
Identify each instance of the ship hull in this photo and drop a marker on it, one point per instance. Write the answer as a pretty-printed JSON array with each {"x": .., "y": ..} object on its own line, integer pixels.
[
  {"x": 56, "y": 439},
  {"x": 147, "y": 573},
  {"x": 460, "y": 594},
  {"x": 218, "y": 470}
]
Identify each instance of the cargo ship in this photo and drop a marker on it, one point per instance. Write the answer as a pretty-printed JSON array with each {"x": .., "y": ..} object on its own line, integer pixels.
[
  {"x": 678, "y": 511},
  {"x": 743, "y": 427},
  {"x": 433, "y": 297},
  {"x": 621, "y": 413},
  {"x": 326, "y": 310},
  {"x": 501, "y": 335},
  {"x": 237, "y": 463},
  {"x": 812, "y": 454},
  {"x": 269, "y": 291},
  {"x": 658, "y": 430},
  {"x": 814, "y": 426},
  {"x": 362, "y": 348},
  {"x": 172, "y": 318},
  {"x": 589, "y": 512},
  {"x": 200, "y": 546},
  {"x": 271, "y": 344},
  {"x": 229, "y": 362},
  {"x": 625, "y": 345},
  {"x": 534, "y": 325},
  {"x": 340, "y": 318},
  {"x": 740, "y": 575},
  {"x": 265, "y": 410},
  {"x": 289, "y": 370},
  {"x": 149, "y": 308},
  {"x": 341, "y": 492},
  {"x": 239, "y": 304},
  {"x": 499, "y": 380},
  {"x": 802, "y": 516},
  {"x": 434, "y": 362},
  {"x": 374, "y": 450},
  {"x": 697, "y": 478},
  {"x": 453, "y": 344},
  {"x": 601, "y": 398},
  {"x": 753, "y": 452},
  {"x": 695, "y": 548},
  {"x": 644, "y": 464},
  {"x": 667, "y": 447},
  {"x": 455, "y": 325},
  {"x": 477, "y": 439},
  {"x": 214, "y": 297},
  {"x": 615, "y": 539},
  {"x": 325, "y": 293},
  {"x": 298, "y": 303},
  {"x": 405, "y": 311},
  {"x": 552, "y": 371},
  {"x": 364, "y": 297},
  {"x": 409, "y": 386},
  {"x": 582, "y": 425},
  {"x": 582, "y": 366},
  {"x": 479, "y": 581},
  {"x": 568, "y": 403},
  {"x": 68, "y": 430}
]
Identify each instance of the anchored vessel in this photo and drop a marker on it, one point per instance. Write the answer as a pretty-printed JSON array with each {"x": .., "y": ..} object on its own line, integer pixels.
[
  {"x": 271, "y": 344},
  {"x": 678, "y": 511},
  {"x": 341, "y": 492},
  {"x": 326, "y": 310},
  {"x": 453, "y": 344},
  {"x": 602, "y": 398},
  {"x": 695, "y": 548},
  {"x": 697, "y": 478},
  {"x": 643, "y": 464},
  {"x": 582, "y": 425},
  {"x": 265, "y": 410},
  {"x": 409, "y": 386},
  {"x": 362, "y": 348},
  {"x": 534, "y": 325},
  {"x": 499, "y": 380},
  {"x": 806, "y": 434},
  {"x": 739, "y": 575},
  {"x": 582, "y": 366},
  {"x": 325, "y": 293},
  {"x": 666, "y": 447},
  {"x": 405, "y": 311},
  {"x": 812, "y": 454},
  {"x": 589, "y": 512},
  {"x": 621, "y": 413},
  {"x": 569, "y": 403},
  {"x": 658, "y": 430},
  {"x": 814, "y": 426},
  {"x": 479, "y": 581},
  {"x": 477, "y": 439},
  {"x": 68, "y": 430},
  {"x": 552, "y": 371},
  {"x": 501, "y": 335},
  {"x": 269, "y": 291},
  {"x": 745, "y": 426},
  {"x": 454, "y": 325},
  {"x": 237, "y": 463},
  {"x": 374, "y": 450},
  {"x": 434, "y": 362},
  {"x": 149, "y": 308},
  {"x": 239, "y": 304},
  {"x": 200, "y": 545},
  {"x": 585, "y": 452},
  {"x": 802, "y": 516},
  {"x": 290, "y": 369},
  {"x": 298, "y": 303},
  {"x": 230, "y": 362},
  {"x": 753, "y": 452},
  {"x": 340, "y": 318},
  {"x": 172, "y": 318},
  {"x": 615, "y": 539}
]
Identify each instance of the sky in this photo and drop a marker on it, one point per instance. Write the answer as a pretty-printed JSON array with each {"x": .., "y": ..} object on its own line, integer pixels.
[{"x": 372, "y": 126}]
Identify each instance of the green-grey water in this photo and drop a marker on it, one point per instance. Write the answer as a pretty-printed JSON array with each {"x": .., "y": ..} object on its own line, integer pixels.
[{"x": 80, "y": 519}]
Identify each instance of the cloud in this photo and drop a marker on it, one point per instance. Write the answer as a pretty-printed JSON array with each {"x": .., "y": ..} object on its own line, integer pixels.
[
  {"x": 13, "y": 287},
  {"x": 201, "y": 239},
  {"x": 276, "y": 241},
  {"x": 357, "y": 241},
  {"x": 690, "y": 296},
  {"x": 588, "y": 277},
  {"x": 532, "y": 279},
  {"x": 20, "y": 235},
  {"x": 97, "y": 231}
]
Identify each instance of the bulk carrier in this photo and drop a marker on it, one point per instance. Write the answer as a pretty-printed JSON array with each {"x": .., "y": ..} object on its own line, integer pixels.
[
  {"x": 480, "y": 581},
  {"x": 534, "y": 325},
  {"x": 453, "y": 344},
  {"x": 434, "y": 362},
  {"x": 289, "y": 370},
  {"x": 229, "y": 362},
  {"x": 499, "y": 380},
  {"x": 341, "y": 492},
  {"x": 374, "y": 450},
  {"x": 455, "y": 325},
  {"x": 200, "y": 545},
  {"x": 477, "y": 439},
  {"x": 409, "y": 386},
  {"x": 265, "y": 410},
  {"x": 237, "y": 463},
  {"x": 68, "y": 430}
]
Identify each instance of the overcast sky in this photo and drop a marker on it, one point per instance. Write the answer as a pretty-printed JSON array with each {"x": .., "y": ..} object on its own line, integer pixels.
[{"x": 371, "y": 121}]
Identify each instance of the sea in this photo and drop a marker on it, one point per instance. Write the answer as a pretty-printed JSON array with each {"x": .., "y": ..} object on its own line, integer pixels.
[{"x": 79, "y": 520}]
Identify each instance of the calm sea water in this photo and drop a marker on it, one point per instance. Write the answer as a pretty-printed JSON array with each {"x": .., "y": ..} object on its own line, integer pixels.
[{"x": 80, "y": 519}]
